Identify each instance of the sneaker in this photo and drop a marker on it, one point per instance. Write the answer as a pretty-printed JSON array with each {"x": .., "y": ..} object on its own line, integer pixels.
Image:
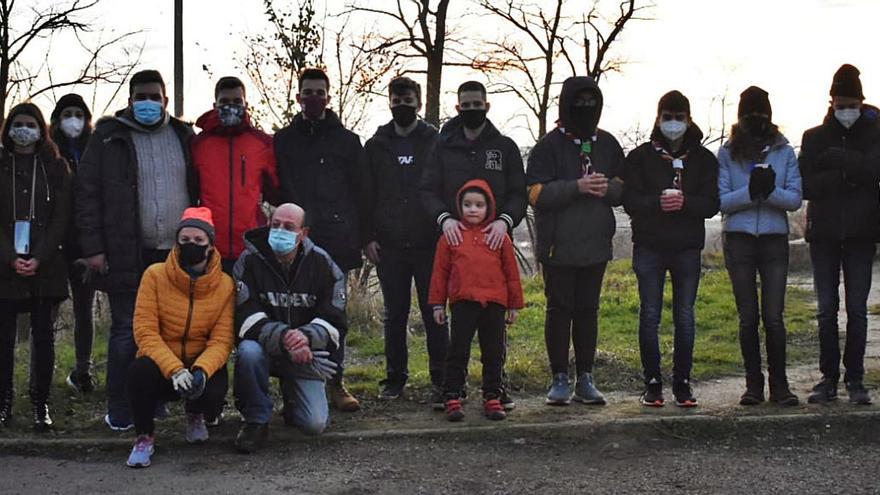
[
  {"x": 341, "y": 398},
  {"x": 492, "y": 407},
  {"x": 858, "y": 394},
  {"x": 82, "y": 382},
  {"x": 507, "y": 401},
  {"x": 391, "y": 390},
  {"x": 196, "y": 430},
  {"x": 754, "y": 393},
  {"x": 684, "y": 396},
  {"x": 251, "y": 437},
  {"x": 587, "y": 393},
  {"x": 560, "y": 391},
  {"x": 437, "y": 399},
  {"x": 116, "y": 426},
  {"x": 781, "y": 394},
  {"x": 454, "y": 411},
  {"x": 823, "y": 392},
  {"x": 42, "y": 420},
  {"x": 653, "y": 396},
  {"x": 141, "y": 452}
]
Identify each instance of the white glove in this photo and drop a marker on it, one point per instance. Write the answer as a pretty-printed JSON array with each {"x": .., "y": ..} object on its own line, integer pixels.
[
  {"x": 322, "y": 365},
  {"x": 182, "y": 381}
]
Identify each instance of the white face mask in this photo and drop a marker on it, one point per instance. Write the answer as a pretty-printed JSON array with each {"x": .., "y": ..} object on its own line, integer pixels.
[
  {"x": 72, "y": 127},
  {"x": 847, "y": 116},
  {"x": 673, "y": 129},
  {"x": 24, "y": 136}
]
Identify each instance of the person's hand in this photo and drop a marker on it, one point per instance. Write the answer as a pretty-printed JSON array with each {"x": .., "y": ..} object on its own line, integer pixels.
[
  {"x": 372, "y": 251},
  {"x": 770, "y": 182},
  {"x": 199, "y": 380},
  {"x": 301, "y": 356},
  {"x": 20, "y": 267},
  {"x": 671, "y": 202},
  {"x": 593, "y": 184},
  {"x": 322, "y": 366},
  {"x": 452, "y": 231},
  {"x": 440, "y": 315},
  {"x": 182, "y": 381},
  {"x": 495, "y": 233},
  {"x": 295, "y": 339},
  {"x": 97, "y": 263},
  {"x": 511, "y": 316},
  {"x": 31, "y": 266}
]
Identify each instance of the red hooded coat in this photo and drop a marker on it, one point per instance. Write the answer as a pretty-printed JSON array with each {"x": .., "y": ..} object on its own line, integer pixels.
[{"x": 473, "y": 272}]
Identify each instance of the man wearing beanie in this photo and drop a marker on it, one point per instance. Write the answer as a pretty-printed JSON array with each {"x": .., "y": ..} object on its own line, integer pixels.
[
  {"x": 183, "y": 326},
  {"x": 671, "y": 188},
  {"x": 840, "y": 166}
]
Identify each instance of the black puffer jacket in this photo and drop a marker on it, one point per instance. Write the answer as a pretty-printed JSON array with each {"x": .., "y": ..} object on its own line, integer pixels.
[
  {"x": 393, "y": 215},
  {"x": 72, "y": 151},
  {"x": 320, "y": 168},
  {"x": 573, "y": 229},
  {"x": 106, "y": 199},
  {"x": 493, "y": 157},
  {"x": 842, "y": 206},
  {"x": 647, "y": 174},
  {"x": 51, "y": 217}
]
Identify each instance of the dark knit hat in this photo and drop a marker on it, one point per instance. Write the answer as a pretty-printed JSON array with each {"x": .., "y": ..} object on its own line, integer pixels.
[
  {"x": 70, "y": 100},
  {"x": 200, "y": 218},
  {"x": 754, "y": 100},
  {"x": 846, "y": 82},
  {"x": 674, "y": 101}
]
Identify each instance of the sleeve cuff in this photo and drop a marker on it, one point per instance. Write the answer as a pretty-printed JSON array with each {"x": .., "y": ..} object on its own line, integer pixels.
[
  {"x": 507, "y": 219},
  {"x": 442, "y": 218}
]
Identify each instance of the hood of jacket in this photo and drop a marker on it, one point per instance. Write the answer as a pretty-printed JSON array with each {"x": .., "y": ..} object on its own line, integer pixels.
[
  {"x": 256, "y": 242},
  {"x": 693, "y": 137},
  {"x": 386, "y": 132},
  {"x": 452, "y": 132},
  {"x": 571, "y": 87},
  {"x": 870, "y": 118},
  {"x": 126, "y": 118},
  {"x": 204, "y": 284},
  {"x": 329, "y": 122},
  {"x": 210, "y": 122},
  {"x": 483, "y": 186}
]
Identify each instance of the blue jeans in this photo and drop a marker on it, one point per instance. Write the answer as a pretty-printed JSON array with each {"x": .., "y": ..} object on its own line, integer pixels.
[
  {"x": 857, "y": 259},
  {"x": 121, "y": 349},
  {"x": 650, "y": 266},
  {"x": 311, "y": 413}
]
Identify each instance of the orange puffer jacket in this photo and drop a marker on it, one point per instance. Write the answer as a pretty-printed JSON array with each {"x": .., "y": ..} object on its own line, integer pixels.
[{"x": 184, "y": 323}]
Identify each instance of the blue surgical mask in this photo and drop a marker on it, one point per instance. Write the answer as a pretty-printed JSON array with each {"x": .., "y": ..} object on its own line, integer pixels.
[
  {"x": 282, "y": 241},
  {"x": 147, "y": 112}
]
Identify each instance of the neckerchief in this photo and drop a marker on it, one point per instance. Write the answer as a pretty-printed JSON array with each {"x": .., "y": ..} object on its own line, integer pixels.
[
  {"x": 677, "y": 163},
  {"x": 585, "y": 149}
]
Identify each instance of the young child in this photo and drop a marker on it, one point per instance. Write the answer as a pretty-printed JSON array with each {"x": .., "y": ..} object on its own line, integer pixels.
[{"x": 481, "y": 286}]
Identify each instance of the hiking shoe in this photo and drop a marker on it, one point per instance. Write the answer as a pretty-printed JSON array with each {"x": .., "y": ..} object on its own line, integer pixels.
[
  {"x": 684, "y": 396},
  {"x": 492, "y": 407},
  {"x": 653, "y": 395},
  {"x": 391, "y": 390},
  {"x": 42, "y": 420},
  {"x": 115, "y": 425},
  {"x": 196, "y": 430},
  {"x": 251, "y": 437},
  {"x": 560, "y": 391},
  {"x": 141, "y": 452},
  {"x": 823, "y": 392},
  {"x": 587, "y": 393},
  {"x": 341, "y": 398},
  {"x": 507, "y": 401},
  {"x": 754, "y": 393},
  {"x": 858, "y": 394},
  {"x": 82, "y": 382},
  {"x": 781, "y": 394},
  {"x": 437, "y": 399},
  {"x": 454, "y": 411}
]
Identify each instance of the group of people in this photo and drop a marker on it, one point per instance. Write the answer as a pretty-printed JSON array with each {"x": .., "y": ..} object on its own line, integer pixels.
[{"x": 173, "y": 227}]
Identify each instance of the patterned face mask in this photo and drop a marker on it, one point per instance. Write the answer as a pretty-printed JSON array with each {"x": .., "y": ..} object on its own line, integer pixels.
[{"x": 230, "y": 114}]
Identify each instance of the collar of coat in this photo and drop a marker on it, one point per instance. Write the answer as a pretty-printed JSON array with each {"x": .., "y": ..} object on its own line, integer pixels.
[{"x": 203, "y": 285}]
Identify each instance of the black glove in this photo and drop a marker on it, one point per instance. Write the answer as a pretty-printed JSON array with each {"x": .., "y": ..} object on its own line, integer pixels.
[
  {"x": 199, "y": 380},
  {"x": 770, "y": 182},
  {"x": 758, "y": 183}
]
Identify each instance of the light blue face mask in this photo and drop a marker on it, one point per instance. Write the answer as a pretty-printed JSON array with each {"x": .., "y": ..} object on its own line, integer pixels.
[
  {"x": 147, "y": 112},
  {"x": 282, "y": 241}
]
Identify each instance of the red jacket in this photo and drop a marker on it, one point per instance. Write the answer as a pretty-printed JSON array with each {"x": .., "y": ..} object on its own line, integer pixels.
[
  {"x": 236, "y": 168},
  {"x": 473, "y": 272}
]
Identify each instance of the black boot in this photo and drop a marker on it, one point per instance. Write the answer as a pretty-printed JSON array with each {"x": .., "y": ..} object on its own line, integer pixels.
[
  {"x": 780, "y": 392},
  {"x": 754, "y": 393},
  {"x": 5, "y": 407},
  {"x": 42, "y": 420}
]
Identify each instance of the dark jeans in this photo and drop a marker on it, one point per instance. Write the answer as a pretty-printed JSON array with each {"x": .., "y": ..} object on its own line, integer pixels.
[
  {"x": 42, "y": 343},
  {"x": 468, "y": 318},
  {"x": 650, "y": 266},
  {"x": 747, "y": 256},
  {"x": 397, "y": 269},
  {"x": 147, "y": 387},
  {"x": 83, "y": 298},
  {"x": 572, "y": 314},
  {"x": 857, "y": 259}
]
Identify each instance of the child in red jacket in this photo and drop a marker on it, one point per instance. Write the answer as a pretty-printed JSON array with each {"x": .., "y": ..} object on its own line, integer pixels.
[{"x": 481, "y": 286}]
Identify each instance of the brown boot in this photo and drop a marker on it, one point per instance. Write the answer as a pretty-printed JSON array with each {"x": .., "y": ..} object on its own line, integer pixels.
[{"x": 341, "y": 398}]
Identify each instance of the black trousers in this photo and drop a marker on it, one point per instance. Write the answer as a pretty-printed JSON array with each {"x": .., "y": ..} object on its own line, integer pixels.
[
  {"x": 468, "y": 318},
  {"x": 572, "y": 315},
  {"x": 147, "y": 386},
  {"x": 42, "y": 346},
  {"x": 83, "y": 297}
]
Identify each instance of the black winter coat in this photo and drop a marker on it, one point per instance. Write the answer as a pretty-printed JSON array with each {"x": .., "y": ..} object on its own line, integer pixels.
[
  {"x": 842, "y": 206},
  {"x": 393, "y": 214},
  {"x": 492, "y": 157},
  {"x": 320, "y": 168},
  {"x": 106, "y": 199},
  {"x": 48, "y": 226},
  {"x": 647, "y": 174},
  {"x": 72, "y": 152}
]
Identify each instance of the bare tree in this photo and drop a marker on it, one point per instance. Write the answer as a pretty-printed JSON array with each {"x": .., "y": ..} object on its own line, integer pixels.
[{"x": 606, "y": 31}]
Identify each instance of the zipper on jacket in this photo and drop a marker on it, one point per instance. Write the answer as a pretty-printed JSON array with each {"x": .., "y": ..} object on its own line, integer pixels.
[
  {"x": 243, "y": 170},
  {"x": 189, "y": 314},
  {"x": 842, "y": 207},
  {"x": 231, "y": 198}
]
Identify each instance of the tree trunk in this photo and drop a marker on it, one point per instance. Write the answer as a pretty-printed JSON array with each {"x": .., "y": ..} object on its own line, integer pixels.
[{"x": 432, "y": 91}]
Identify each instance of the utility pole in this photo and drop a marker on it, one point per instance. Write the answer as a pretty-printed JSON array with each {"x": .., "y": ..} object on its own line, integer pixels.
[{"x": 178, "y": 58}]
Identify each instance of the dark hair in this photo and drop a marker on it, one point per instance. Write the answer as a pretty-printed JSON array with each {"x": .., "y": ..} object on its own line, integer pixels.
[
  {"x": 744, "y": 146},
  {"x": 44, "y": 147},
  {"x": 471, "y": 86},
  {"x": 146, "y": 77},
  {"x": 229, "y": 82},
  {"x": 313, "y": 73},
  {"x": 61, "y": 140},
  {"x": 402, "y": 85},
  {"x": 475, "y": 189}
]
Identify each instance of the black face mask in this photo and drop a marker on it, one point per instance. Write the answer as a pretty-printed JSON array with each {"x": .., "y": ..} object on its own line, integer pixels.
[
  {"x": 583, "y": 118},
  {"x": 756, "y": 125},
  {"x": 403, "y": 115},
  {"x": 192, "y": 254},
  {"x": 473, "y": 119}
]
